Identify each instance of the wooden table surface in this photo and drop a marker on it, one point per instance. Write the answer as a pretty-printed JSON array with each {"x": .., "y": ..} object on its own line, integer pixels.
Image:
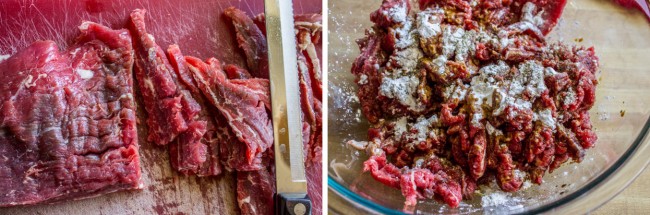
[{"x": 635, "y": 199}]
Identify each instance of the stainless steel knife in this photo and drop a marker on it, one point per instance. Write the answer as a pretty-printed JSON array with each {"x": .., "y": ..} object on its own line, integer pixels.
[{"x": 291, "y": 184}]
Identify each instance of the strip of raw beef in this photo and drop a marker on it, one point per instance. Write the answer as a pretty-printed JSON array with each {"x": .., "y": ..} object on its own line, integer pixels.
[
  {"x": 187, "y": 152},
  {"x": 308, "y": 28},
  {"x": 256, "y": 192},
  {"x": 259, "y": 87},
  {"x": 239, "y": 76},
  {"x": 67, "y": 119},
  {"x": 243, "y": 111},
  {"x": 252, "y": 41},
  {"x": 308, "y": 33},
  {"x": 166, "y": 107},
  {"x": 202, "y": 140},
  {"x": 236, "y": 72}
]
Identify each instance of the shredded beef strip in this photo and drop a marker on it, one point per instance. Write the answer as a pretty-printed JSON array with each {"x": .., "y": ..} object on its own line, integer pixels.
[
  {"x": 308, "y": 33},
  {"x": 168, "y": 112},
  {"x": 243, "y": 109},
  {"x": 236, "y": 72},
  {"x": 196, "y": 151},
  {"x": 256, "y": 192},
  {"x": 252, "y": 41},
  {"x": 484, "y": 97}
]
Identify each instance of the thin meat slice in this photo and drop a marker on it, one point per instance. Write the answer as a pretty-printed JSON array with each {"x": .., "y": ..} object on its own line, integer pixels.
[
  {"x": 252, "y": 41},
  {"x": 187, "y": 153},
  {"x": 259, "y": 87},
  {"x": 308, "y": 33},
  {"x": 162, "y": 100},
  {"x": 201, "y": 145},
  {"x": 255, "y": 192},
  {"x": 236, "y": 72},
  {"x": 313, "y": 167},
  {"x": 231, "y": 150},
  {"x": 177, "y": 60},
  {"x": 308, "y": 28},
  {"x": 243, "y": 110},
  {"x": 68, "y": 119},
  {"x": 239, "y": 76}
]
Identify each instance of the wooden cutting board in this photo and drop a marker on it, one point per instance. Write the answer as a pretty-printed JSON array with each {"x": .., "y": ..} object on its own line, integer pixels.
[
  {"x": 200, "y": 29},
  {"x": 622, "y": 40}
]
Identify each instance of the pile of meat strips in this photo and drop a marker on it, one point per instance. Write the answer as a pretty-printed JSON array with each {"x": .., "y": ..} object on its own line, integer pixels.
[
  {"x": 465, "y": 92},
  {"x": 68, "y": 118}
]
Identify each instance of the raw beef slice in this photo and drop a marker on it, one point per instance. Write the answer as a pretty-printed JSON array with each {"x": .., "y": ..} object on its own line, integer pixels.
[
  {"x": 242, "y": 118},
  {"x": 168, "y": 112},
  {"x": 194, "y": 152},
  {"x": 67, "y": 119},
  {"x": 252, "y": 41},
  {"x": 308, "y": 31},
  {"x": 255, "y": 192}
]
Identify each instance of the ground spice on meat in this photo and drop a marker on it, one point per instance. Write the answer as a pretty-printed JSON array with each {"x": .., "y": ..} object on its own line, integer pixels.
[{"x": 462, "y": 93}]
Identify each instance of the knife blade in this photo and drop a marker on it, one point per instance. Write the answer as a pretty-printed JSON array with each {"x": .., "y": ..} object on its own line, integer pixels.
[{"x": 291, "y": 184}]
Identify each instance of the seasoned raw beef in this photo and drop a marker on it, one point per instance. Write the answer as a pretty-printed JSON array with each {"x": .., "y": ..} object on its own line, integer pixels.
[
  {"x": 462, "y": 94},
  {"x": 67, "y": 119}
]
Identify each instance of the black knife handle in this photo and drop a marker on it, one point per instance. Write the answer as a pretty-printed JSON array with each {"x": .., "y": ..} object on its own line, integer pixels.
[{"x": 292, "y": 204}]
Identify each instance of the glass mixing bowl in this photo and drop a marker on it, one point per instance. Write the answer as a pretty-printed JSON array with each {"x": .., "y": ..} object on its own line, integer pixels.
[{"x": 620, "y": 117}]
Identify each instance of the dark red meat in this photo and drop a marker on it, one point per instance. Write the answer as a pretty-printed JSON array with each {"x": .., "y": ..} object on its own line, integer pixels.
[
  {"x": 552, "y": 11},
  {"x": 471, "y": 128},
  {"x": 236, "y": 72},
  {"x": 163, "y": 102},
  {"x": 259, "y": 87},
  {"x": 196, "y": 149},
  {"x": 243, "y": 109},
  {"x": 68, "y": 119},
  {"x": 187, "y": 153},
  {"x": 252, "y": 41},
  {"x": 256, "y": 192},
  {"x": 308, "y": 33}
]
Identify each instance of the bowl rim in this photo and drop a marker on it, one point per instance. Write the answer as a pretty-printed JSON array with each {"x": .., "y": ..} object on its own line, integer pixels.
[{"x": 605, "y": 186}]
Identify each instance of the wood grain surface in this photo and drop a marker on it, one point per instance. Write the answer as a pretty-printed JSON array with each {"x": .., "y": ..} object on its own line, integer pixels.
[
  {"x": 635, "y": 199},
  {"x": 622, "y": 40}
]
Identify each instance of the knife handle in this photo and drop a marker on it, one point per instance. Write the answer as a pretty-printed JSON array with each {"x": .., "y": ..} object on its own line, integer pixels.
[{"x": 292, "y": 204}]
